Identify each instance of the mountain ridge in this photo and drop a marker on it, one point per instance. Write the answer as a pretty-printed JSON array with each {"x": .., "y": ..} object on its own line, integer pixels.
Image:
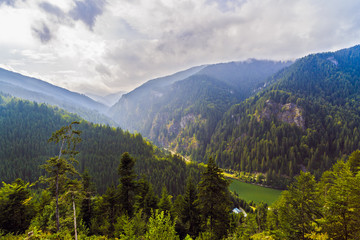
[{"x": 34, "y": 89}]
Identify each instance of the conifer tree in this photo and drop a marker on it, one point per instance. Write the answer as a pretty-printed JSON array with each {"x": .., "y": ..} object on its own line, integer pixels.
[
  {"x": 61, "y": 166},
  {"x": 127, "y": 183},
  {"x": 300, "y": 207},
  {"x": 214, "y": 201},
  {"x": 86, "y": 204},
  {"x": 190, "y": 215},
  {"x": 165, "y": 203},
  {"x": 145, "y": 198},
  {"x": 111, "y": 207}
]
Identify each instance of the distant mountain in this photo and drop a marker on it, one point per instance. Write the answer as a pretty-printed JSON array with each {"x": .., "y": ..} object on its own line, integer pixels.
[
  {"x": 181, "y": 111},
  {"x": 107, "y": 100},
  {"x": 40, "y": 91},
  {"x": 306, "y": 119}
]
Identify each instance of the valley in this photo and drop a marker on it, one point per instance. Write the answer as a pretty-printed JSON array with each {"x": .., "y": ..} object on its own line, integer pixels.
[{"x": 284, "y": 125}]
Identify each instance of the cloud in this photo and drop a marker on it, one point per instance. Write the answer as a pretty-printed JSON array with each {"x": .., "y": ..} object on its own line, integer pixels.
[
  {"x": 103, "y": 70},
  {"x": 53, "y": 10},
  {"x": 87, "y": 11},
  {"x": 112, "y": 45},
  {"x": 226, "y": 5},
  {"x": 8, "y": 2},
  {"x": 42, "y": 32}
]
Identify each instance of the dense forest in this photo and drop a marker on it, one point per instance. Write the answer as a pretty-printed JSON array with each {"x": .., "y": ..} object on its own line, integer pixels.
[
  {"x": 66, "y": 206},
  {"x": 64, "y": 177},
  {"x": 306, "y": 120},
  {"x": 26, "y": 127}
]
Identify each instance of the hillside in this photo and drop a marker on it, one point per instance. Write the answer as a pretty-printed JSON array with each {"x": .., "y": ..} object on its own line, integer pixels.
[
  {"x": 26, "y": 126},
  {"x": 181, "y": 111},
  {"x": 305, "y": 120},
  {"x": 40, "y": 91}
]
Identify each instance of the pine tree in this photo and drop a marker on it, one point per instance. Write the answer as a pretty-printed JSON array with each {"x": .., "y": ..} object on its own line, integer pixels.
[
  {"x": 342, "y": 202},
  {"x": 161, "y": 227},
  {"x": 214, "y": 201},
  {"x": 165, "y": 203},
  {"x": 145, "y": 199},
  {"x": 190, "y": 215},
  {"x": 127, "y": 183},
  {"x": 110, "y": 206},
  {"x": 300, "y": 207},
  {"x": 86, "y": 204},
  {"x": 61, "y": 166}
]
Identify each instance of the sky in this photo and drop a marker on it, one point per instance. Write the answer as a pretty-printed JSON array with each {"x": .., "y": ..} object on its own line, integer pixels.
[{"x": 105, "y": 46}]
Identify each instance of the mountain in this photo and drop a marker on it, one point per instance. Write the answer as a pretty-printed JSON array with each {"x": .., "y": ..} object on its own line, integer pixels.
[
  {"x": 40, "y": 91},
  {"x": 107, "y": 100},
  {"x": 181, "y": 111},
  {"x": 26, "y": 126},
  {"x": 306, "y": 119}
]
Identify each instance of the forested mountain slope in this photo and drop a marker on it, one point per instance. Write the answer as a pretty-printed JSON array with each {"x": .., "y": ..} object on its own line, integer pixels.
[
  {"x": 306, "y": 119},
  {"x": 26, "y": 126},
  {"x": 182, "y": 110},
  {"x": 40, "y": 91}
]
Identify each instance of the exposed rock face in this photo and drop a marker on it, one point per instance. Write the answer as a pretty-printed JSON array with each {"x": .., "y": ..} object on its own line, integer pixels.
[
  {"x": 190, "y": 118},
  {"x": 170, "y": 132},
  {"x": 289, "y": 113}
]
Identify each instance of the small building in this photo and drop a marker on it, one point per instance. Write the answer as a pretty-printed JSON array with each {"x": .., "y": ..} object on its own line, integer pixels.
[{"x": 239, "y": 210}]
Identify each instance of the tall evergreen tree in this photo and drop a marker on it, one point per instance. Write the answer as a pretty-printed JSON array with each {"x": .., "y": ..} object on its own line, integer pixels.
[
  {"x": 110, "y": 208},
  {"x": 86, "y": 204},
  {"x": 300, "y": 207},
  {"x": 60, "y": 166},
  {"x": 342, "y": 202},
  {"x": 127, "y": 183},
  {"x": 145, "y": 199},
  {"x": 190, "y": 215},
  {"x": 214, "y": 201},
  {"x": 165, "y": 203}
]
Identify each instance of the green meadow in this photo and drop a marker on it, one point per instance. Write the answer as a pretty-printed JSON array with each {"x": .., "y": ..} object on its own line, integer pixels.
[{"x": 251, "y": 192}]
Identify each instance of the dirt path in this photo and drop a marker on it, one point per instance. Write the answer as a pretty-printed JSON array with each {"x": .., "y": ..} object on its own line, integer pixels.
[{"x": 186, "y": 159}]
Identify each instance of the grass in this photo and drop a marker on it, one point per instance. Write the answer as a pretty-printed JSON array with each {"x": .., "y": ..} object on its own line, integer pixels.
[{"x": 251, "y": 192}]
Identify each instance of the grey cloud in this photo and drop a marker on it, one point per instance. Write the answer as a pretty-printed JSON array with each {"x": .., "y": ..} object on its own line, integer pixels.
[
  {"x": 8, "y": 2},
  {"x": 103, "y": 70},
  {"x": 54, "y": 10},
  {"x": 227, "y": 5},
  {"x": 42, "y": 32},
  {"x": 87, "y": 11}
]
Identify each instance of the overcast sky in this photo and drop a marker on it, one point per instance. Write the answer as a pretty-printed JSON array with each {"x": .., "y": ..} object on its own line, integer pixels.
[{"x": 104, "y": 46}]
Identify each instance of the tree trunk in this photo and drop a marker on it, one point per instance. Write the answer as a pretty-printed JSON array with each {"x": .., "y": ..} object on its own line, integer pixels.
[
  {"x": 74, "y": 217},
  {"x": 57, "y": 190},
  {"x": 57, "y": 203}
]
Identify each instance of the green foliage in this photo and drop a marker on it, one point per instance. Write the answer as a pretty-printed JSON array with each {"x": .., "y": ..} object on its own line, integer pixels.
[
  {"x": 127, "y": 183},
  {"x": 189, "y": 209},
  {"x": 25, "y": 128},
  {"x": 145, "y": 199},
  {"x": 161, "y": 227},
  {"x": 16, "y": 207},
  {"x": 258, "y": 136},
  {"x": 301, "y": 207},
  {"x": 61, "y": 166},
  {"x": 165, "y": 202},
  {"x": 214, "y": 200},
  {"x": 342, "y": 201},
  {"x": 130, "y": 229}
]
